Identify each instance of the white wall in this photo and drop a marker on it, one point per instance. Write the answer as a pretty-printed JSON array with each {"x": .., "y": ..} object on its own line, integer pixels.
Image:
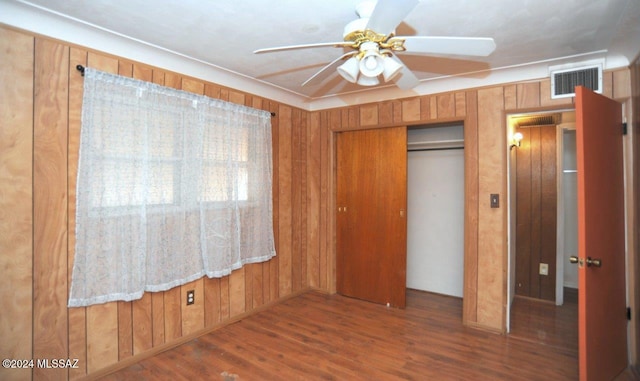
[
  {"x": 435, "y": 215},
  {"x": 570, "y": 199}
]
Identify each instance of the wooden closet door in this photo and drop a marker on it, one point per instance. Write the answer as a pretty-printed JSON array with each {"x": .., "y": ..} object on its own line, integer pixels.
[{"x": 371, "y": 216}]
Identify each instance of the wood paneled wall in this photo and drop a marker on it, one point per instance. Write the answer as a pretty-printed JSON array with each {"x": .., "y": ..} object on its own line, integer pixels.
[
  {"x": 536, "y": 212},
  {"x": 483, "y": 112},
  {"x": 39, "y": 140},
  {"x": 16, "y": 193}
]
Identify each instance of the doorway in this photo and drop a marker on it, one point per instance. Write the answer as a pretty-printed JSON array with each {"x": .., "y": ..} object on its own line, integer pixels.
[
  {"x": 367, "y": 183},
  {"x": 435, "y": 205},
  {"x": 542, "y": 224}
]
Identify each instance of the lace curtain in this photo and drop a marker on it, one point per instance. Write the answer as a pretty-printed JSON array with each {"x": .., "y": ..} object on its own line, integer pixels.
[{"x": 171, "y": 186}]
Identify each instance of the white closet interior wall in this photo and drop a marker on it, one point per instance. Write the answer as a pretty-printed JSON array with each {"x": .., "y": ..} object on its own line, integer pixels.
[{"x": 435, "y": 216}]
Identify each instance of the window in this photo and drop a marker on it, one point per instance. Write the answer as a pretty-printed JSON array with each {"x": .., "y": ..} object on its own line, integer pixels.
[
  {"x": 225, "y": 171},
  {"x": 121, "y": 181},
  {"x": 171, "y": 186},
  {"x": 224, "y": 175}
]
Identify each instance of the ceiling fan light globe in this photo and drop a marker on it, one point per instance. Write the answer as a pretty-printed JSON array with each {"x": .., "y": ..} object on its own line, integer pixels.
[
  {"x": 391, "y": 68},
  {"x": 371, "y": 65},
  {"x": 368, "y": 81},
  {"x": 349, "y": 70}
]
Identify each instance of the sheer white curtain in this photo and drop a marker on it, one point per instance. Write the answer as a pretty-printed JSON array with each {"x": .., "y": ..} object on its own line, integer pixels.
[{"x": 171, "y": 186}]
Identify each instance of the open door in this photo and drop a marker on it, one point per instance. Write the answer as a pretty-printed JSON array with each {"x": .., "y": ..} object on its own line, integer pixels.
[
  {"x": 601, "y": 251},
  {"x": 371, "y": 217}
]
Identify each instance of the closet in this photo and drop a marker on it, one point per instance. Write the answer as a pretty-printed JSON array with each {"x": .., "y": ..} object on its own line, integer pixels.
[
  {"x": 400, "y": 212},
  {"x": 435, "y": 201}
]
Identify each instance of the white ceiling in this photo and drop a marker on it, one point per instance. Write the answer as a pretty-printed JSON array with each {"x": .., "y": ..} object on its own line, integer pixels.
[{"x": 214, "y": 39}]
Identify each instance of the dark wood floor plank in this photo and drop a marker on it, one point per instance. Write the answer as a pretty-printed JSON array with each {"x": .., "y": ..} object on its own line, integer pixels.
[{"x": 329, "y": 337}]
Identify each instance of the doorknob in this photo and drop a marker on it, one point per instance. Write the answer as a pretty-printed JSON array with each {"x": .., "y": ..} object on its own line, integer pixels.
[
  {"x": 594, "y": 262},
  {"x": 573, "y": 259},
  {"x": 590, "y": 262}
]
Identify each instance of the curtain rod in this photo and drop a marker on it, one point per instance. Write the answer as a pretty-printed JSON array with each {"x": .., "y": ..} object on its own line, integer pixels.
[{"x": 80, "y": 68}]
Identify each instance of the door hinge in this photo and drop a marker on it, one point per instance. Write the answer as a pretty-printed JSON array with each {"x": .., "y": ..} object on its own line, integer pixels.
[
  {"x": 624, "y": 128},
  {"x": 629, "y": 313}
]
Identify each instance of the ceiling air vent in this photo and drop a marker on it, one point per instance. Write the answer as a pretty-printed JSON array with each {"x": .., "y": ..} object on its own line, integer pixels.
[{"x": 563, "y": 82}]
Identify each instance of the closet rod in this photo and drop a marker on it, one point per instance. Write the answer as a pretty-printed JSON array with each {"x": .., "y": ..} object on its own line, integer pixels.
[
  {"x": 80, "y": 68},
  {"x": 434, "y": 149}
]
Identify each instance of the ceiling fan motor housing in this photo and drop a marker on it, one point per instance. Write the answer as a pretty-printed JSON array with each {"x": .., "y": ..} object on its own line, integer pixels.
[{"x": 354, "y": 26}]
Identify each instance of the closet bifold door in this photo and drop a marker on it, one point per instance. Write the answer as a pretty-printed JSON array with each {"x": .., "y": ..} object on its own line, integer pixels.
[{"x": 371, "y": 213}]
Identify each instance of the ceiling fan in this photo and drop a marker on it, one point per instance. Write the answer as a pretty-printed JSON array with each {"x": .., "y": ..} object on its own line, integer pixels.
[{"x": 374, "y": 46}]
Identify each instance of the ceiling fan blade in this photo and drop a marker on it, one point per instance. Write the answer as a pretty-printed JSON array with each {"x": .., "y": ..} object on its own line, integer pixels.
[
  {"x": 388, "y": 14},
  {"x": 464, "y": 46},
  {"x": 339, "y": 44},
  {"x": 406, "y": 79},
  {"x": 330, "y": 65}
]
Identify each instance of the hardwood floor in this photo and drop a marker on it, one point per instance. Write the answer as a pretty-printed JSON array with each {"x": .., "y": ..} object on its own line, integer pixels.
[
  {"x": 330, "y": 337},
  {"x": 545, "y": 323}
]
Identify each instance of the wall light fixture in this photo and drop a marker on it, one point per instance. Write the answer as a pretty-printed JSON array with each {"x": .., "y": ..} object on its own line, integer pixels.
[{"x": 516, "y": 140}]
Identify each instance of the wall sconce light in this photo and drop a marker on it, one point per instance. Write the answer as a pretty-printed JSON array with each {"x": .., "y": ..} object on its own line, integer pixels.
[{"x": 516, "y": 140}]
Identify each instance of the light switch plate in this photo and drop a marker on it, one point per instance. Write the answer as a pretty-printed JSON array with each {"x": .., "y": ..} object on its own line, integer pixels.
[{"x": 495, "y": 200}]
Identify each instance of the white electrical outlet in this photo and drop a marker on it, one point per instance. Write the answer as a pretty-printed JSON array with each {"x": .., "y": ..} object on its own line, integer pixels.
[{"x": 544, "y": 269}]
